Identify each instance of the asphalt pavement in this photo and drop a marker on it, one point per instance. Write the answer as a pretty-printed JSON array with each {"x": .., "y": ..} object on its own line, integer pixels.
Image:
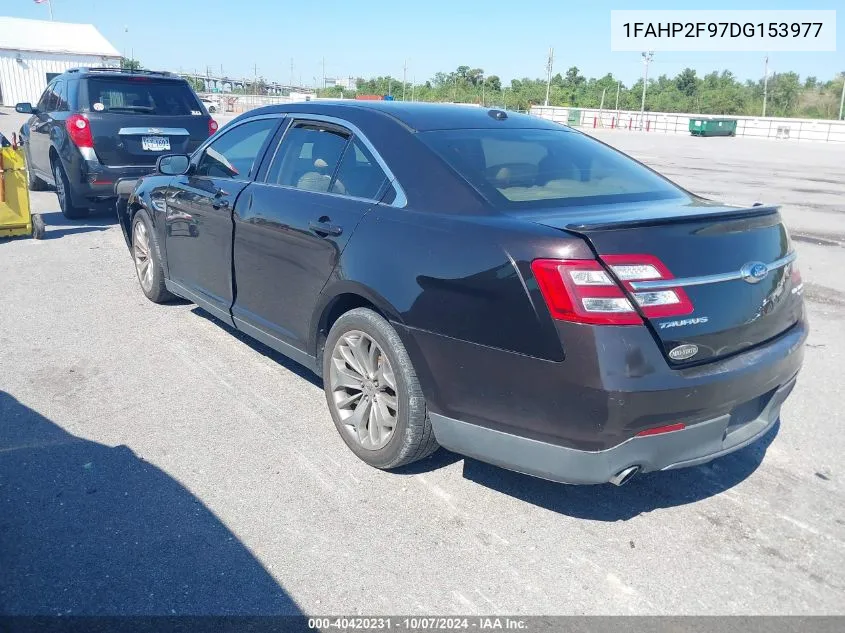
[{"x": 154, "y": 462}]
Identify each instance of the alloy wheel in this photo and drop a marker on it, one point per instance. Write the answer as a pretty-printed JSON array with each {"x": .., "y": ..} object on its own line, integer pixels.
[
  {"x": 363, "y": 388},
  {"x": 141, "y": 254},
  {"x": 60, "y": 186}
]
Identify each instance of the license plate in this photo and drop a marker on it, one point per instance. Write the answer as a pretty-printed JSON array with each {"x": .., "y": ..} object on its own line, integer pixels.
[{"x": 155, "y": 143}]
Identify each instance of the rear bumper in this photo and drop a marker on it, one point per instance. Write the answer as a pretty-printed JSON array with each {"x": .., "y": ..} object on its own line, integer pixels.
[
  {"x": 578, "y": 420},
  {"x": 691, "y": 446},
  {"x": 91, "y": 180}
]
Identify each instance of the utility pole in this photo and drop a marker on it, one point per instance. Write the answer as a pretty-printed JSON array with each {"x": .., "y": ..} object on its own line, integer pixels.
[
  {"x": 404, "y": 78},
  {"x": 842, "y": 98},
  {"x": 413, "y": 87},
  {"x": 618, "y": 86},
  {"x": 647, "y": 59},
  {"x": 255, "y": 81},
  {"x": 549, "y": 66},
  {"x": 324, "y": 73},
  {"x": 291, "y": 72},
  {"x": 765, "y": 83}
]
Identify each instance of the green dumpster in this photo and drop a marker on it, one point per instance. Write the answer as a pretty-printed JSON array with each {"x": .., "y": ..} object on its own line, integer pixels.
[
  {"x": 574, "y": 118},
  {"x": 712, "y": 126}
]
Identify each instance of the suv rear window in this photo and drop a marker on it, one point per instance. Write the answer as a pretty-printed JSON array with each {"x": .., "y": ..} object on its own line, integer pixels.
[
  {"x": 142, "y": 95},
  {"x": 528, "y": 168}
]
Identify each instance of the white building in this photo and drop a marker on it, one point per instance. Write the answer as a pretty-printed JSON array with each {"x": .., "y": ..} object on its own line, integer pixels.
[{"x": 32, "y": 52}]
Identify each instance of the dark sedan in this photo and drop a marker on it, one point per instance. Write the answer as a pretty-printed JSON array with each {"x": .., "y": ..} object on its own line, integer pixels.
[{"x": 489, "y": 282}]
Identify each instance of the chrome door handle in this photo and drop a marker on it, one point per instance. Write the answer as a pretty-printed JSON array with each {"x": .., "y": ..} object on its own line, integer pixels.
[{"x": 324, "y": 229}]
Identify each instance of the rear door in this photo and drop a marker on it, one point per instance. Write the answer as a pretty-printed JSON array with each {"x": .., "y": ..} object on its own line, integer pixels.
[
  {"x": 137, "y": 118},
  {"x": 291, "y": 228}
]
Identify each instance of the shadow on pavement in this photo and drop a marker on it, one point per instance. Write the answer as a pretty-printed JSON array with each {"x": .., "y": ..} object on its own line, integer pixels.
[
  {"x": 607, "y": 502},
  {"x": 261, "y": 348},
  {"x": 87, "y": 529},
  {"x": 59, "y": 226},
  {"x": 643, "y": 493}
]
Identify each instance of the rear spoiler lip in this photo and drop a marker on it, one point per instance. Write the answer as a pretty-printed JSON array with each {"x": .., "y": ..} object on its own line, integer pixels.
[{"x": 724, "y": 214}]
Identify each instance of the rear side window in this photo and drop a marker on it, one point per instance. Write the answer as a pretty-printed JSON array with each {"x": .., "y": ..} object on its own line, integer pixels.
[
  {"x": 142, "y": 95},
  {"x": 308, "y": 157},
  {"x": 359, "y": 174},
  {"x": 528, "y": 168}
]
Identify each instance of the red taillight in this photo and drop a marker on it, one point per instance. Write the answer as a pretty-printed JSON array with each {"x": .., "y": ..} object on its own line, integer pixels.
[
  {"x": 582, "y": 290},
  {"x": 655, "y": 304},
  {"x": 669, "y": 428},
  {"x": 795, "y": 275},
  {"x": 79, "y": 130},
  {"x": 212, "y": 126}
]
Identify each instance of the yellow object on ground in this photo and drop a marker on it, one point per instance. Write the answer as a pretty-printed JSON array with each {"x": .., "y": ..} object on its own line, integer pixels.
[{"x": 15, "y": 217}]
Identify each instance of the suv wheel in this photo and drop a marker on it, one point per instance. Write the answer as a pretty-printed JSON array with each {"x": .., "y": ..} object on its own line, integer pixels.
[
  {"x": 373, "y": 393},
  {"x": 70, "y": 211},
  {"x": 147, "y": 257}
]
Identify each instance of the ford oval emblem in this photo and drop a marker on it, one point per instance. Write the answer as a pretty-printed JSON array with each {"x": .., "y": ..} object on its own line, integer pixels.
[
  {"x": 754, "y": 272},
  {"x": 683, "y": 352}
]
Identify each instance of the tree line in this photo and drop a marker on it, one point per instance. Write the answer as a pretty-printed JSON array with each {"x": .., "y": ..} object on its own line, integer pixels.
[{"x": 714, "y": 93}]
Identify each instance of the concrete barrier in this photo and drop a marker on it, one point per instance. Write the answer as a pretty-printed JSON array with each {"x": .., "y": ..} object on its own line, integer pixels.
[{"x": 815, "y": 130}]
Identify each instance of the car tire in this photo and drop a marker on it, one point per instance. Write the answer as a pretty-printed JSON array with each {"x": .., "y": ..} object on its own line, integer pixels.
[
  {"x": 388, "y": 392},
  {"x": 147, "y": 257},
  {"x": 33, "y": 182},
  {"x": 212, "y": 109},
  {"x": 69, "y": 210}
]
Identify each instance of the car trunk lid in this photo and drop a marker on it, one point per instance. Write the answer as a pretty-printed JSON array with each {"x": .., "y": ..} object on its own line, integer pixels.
[{"x": 734, "y": 265}]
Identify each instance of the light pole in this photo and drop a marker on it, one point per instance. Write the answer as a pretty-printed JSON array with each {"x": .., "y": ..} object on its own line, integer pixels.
[
  {"x": 549, "y": 66},
  {"x": 842, "y": 98},
  {"x": 404, "y": 78},
  {"x": 647, "y": 59},
  {"x": 765, "y": 83}
]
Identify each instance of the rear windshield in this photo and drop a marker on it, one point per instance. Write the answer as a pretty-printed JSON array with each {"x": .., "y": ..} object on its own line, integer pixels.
[
  {"x": 528, "y": 168},
  {"x": 142, "y": 95}
]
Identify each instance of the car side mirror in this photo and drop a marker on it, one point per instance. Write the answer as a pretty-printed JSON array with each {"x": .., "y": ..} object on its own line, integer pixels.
[
  {"x": 173, "y": 164},
  {"x": 25, "y": 108}
]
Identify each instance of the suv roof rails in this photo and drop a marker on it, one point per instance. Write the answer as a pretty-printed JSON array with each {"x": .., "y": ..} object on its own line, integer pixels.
[{"x": 127, "y": 71}]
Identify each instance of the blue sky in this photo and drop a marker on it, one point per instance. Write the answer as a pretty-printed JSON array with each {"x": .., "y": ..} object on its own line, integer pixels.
[{"x": 374, "y": 37}]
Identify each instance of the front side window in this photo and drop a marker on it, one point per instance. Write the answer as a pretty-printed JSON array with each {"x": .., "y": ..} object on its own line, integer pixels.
[
  {"x": 144, "y": 95},
  {"x": 44, "y": 102},
  {"x": 528, "y": 168},
  {"x": 308, "y": 157},
  {"x": 235, "y": 153}
]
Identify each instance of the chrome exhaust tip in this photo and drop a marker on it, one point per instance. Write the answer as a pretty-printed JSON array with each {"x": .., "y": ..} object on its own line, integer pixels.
[{"x": 624, "y": 476}]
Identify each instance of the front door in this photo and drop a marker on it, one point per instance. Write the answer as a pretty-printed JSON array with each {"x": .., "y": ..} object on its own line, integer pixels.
[
  {"x": 198, "y": 218},
  {"x": 40, "y": 126},
  {"x": 291, "y": 228}
]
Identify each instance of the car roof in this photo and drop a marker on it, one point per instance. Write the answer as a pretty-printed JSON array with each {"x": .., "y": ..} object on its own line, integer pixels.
[
  {"x": 419, "y": 117},
  {"x": 112, "y": 73}
]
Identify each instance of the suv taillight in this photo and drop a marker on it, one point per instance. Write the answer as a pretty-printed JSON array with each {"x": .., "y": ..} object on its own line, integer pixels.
[
  {"x": 79, "y": 130},
  {"x": 582, "y": 290},
  {"x": 212, "y": 126}
]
